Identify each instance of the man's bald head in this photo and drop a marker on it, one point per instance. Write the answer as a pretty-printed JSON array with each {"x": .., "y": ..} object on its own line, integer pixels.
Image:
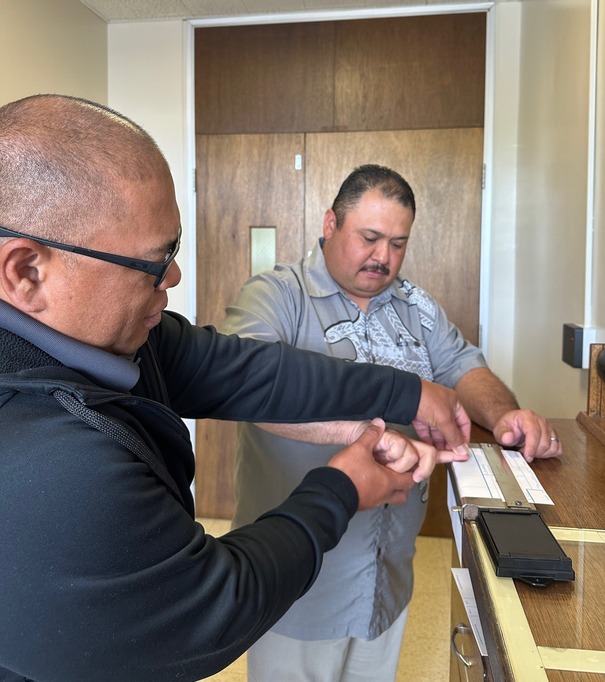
[{"x": 61, "y": 159}]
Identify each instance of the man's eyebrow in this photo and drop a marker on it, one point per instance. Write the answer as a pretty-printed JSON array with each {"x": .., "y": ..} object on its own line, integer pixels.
[
  {"x": 157, "y": 251},
  {"x": 378, "y": 233},
  {"x": 163, "y": 249}
]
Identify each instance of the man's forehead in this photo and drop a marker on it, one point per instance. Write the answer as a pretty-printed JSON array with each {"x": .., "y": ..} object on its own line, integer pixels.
[{"x": 378, "y": 208}]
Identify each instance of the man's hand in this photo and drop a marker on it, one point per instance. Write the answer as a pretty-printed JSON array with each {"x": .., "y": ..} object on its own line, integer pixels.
[
  {"x": 524, "y": 430},
  {"x": 491, "y": 404},
  {"x": 376, "y": 484},
  {"x": 441, "y": 420},
  {"x": 402, "y": 453}
]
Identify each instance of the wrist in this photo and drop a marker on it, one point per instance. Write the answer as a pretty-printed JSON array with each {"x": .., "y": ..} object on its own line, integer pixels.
[{"x": 355, "y": 429}]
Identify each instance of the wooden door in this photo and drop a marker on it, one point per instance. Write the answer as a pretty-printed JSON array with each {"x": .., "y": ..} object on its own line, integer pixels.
[
  {"x": 422, "y": 74},
  {"x": 244, "y": 181},
  {"x": 250, "y": 180}
]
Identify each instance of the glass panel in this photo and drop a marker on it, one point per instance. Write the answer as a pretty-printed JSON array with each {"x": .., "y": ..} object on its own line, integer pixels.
[
  {"x": 262, "y": 249},
  {"x": 569, "y": 615}
]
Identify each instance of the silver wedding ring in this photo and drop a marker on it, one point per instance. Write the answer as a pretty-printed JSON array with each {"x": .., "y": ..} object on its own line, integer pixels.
[{"x": 554, "y": 438}]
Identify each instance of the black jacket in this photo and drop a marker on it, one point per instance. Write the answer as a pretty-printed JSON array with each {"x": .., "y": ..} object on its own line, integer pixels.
[{"x": 104, "y": 574}]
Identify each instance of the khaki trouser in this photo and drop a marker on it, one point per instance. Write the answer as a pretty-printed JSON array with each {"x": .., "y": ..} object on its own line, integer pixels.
[{"x": 275, "y": 658}]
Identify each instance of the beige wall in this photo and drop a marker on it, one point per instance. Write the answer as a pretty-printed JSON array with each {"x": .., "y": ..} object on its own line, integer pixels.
[
  {"x": 498, "y": 258},
  {"x": 552, "y": 176},
  {"x": 148, "y": 81},
  {"x": 599, "y": 246},
  {"x": 58, "y": 46}
]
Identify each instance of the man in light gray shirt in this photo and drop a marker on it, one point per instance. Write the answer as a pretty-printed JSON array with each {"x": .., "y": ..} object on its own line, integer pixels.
[{"x": 346, "y": 299}]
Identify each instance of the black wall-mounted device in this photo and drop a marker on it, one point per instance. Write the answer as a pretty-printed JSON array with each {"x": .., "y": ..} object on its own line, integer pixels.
[{"x": 572, "y": 344}]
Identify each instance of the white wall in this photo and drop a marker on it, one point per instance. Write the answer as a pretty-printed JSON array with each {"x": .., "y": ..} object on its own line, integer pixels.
[
  {"x": 552, "y": 168},
  {"x": 58, "y": 46},
  {"x": 498, "y": 261},
  {"x": 599, "y": 182},
  {"x": 149, "y": 82}
]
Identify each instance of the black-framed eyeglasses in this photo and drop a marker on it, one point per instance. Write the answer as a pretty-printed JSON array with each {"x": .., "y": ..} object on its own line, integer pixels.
[{"x": 159, "y": 270}]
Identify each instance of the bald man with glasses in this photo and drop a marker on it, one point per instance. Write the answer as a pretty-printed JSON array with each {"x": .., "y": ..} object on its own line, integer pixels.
[{"x": 104, "y": 573}]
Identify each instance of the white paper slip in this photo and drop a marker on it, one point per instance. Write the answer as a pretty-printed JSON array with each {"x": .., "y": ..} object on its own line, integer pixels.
[
  {"x": 455, "y": 516},
  {"x": 465, "y": 587},
  {"x": 475, "y": 477},
  {"x": 527, "y": 479}
]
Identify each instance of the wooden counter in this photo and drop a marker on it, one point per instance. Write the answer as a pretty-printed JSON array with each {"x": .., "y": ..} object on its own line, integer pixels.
[{"x": 555, "y": 633}]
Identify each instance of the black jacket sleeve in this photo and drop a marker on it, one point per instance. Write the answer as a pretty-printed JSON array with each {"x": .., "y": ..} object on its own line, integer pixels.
[
  {"x": 106, "y": 577},
  {"x": 225, "y": 377}
]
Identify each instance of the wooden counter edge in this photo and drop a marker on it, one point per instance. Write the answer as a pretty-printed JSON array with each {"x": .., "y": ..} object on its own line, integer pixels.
[{"x": 594, "y": 425}]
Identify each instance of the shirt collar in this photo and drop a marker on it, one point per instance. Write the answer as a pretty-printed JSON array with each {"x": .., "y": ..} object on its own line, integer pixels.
[{"x": 108, "y": 370}]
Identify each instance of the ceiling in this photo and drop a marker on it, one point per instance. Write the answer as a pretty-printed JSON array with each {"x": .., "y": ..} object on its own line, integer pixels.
[{"x": 156, "y": 10}]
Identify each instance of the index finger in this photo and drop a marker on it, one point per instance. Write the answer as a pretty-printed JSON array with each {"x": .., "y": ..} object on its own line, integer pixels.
[
  {"x": 447, "y": 456},
  {"x": 458, "y": 434}
]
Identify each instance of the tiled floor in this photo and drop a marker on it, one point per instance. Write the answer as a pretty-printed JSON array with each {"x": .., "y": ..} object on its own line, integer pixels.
[{"x": 425, "y": 651}]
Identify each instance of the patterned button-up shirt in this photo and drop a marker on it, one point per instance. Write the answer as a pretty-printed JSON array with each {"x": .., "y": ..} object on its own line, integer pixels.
[{"x": 366, "y": 581}]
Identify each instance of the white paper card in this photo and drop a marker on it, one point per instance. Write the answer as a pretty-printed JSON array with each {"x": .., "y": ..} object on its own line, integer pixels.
[
  {"x": 465, "y": 587},
  {"x": 475, "y": 478}
]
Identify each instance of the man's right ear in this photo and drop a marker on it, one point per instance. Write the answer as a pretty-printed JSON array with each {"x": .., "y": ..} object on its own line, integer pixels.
[
  {"x": 329, "y": 223},
  {"x": 23, "y": 268}
]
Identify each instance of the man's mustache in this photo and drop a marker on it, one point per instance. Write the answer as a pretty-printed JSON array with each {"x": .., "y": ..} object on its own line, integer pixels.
[{"x": 376, "y": 267}]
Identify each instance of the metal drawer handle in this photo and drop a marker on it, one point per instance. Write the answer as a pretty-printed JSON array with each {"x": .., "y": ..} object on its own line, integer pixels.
[{"x": 460, "y": 629}]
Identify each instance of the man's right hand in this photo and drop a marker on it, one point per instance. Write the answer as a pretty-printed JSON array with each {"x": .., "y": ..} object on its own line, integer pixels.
[{"x": 441, "y": 420}]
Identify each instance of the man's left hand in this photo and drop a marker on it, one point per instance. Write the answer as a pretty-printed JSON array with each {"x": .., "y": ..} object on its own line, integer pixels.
[{"x": 533, "y": 435}]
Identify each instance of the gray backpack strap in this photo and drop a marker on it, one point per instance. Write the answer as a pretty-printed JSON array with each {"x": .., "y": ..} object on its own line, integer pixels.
[{"x": 118, "y": 432}]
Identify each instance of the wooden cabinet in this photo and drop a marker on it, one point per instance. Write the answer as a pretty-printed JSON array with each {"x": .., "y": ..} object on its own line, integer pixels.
[
  {"x": 466, "y": 662},
  {"x": 555, "y": 633}
]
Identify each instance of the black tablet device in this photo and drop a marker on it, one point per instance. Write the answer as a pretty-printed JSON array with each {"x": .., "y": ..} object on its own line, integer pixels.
[{"x": 522, "y": 546}]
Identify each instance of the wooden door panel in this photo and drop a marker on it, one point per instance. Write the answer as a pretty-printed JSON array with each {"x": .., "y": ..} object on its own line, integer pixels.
[
  {"x": 414, "y": 72},
  {"x": 246, "y": 180},
  {"x": 243, "y": 181},
  {"x": 274, "y": 78}
]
